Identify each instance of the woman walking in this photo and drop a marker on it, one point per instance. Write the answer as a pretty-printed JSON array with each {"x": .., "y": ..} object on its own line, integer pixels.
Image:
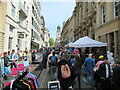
[{"x": 77, "y": 69}]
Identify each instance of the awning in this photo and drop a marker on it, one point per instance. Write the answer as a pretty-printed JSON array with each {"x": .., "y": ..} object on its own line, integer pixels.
[
  {"x": 87, "y": 42},
  {"x": 68, "y": 44}
]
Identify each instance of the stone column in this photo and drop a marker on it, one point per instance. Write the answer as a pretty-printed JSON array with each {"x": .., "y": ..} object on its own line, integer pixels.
[
  {"x": 98, "y": 16},
  {"x": 119, "y": 37},
  {"x": 109, "y": 42},
  {"x": 14, "y": 41},
  {"x": 84, "y": 11},
  {"x": 115, "y": 44},
  {"x": 89, "y": 6},
  {"x": 80, "y": 15},
  {"x": 6, "y": 37}
]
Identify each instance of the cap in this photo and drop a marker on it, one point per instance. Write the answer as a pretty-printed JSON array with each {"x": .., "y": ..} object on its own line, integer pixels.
[
  {"x": 90, "y": 54},
  {"x": 101, "y": 57}
]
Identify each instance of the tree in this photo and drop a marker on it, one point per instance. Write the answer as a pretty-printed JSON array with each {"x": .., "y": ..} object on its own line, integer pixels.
[{"x": 52, "y": 42}]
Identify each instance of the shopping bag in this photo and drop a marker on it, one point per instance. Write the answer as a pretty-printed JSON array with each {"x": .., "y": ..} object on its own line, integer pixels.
[
  {"x": 20, "y": 67},
  {"x": 14, "y": 71}
]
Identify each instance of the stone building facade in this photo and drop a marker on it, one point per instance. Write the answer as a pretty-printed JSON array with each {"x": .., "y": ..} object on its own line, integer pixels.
[
  {"x": 67, "y": 31},
  {"x": 108, "y": 26},
  {"x": 46, "y": 37},
  {"x": 2, "y": 23},
  {"x": 98, "y": 20},
  {"x": 84, "y": 19},
  {"x": 17, "y": 27},
  {"x": 36, "y": 31}
]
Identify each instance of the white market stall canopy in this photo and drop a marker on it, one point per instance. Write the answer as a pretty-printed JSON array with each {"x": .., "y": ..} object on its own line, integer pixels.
[
  {"x": 87, "y": 42},
  {"x": 68, "y": 44}
]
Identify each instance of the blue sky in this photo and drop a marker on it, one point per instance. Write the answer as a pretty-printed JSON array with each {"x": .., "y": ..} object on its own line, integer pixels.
[{"x": 55, "y": 13}]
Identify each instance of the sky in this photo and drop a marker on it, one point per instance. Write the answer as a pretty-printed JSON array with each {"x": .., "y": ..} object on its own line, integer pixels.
[{"x": 55, "y": 13}]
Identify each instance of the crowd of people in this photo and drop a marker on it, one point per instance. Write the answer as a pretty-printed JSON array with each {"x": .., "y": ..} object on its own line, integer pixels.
[
  {"x": 67, "y": 66},
  {"x": 10, "y": 60}
]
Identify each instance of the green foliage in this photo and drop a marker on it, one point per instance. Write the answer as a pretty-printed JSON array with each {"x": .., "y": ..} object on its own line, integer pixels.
[{"x": 52, "y": 42}]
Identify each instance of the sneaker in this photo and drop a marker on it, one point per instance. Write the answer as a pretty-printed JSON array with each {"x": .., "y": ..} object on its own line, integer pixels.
[{"x": 70, "y": 88}]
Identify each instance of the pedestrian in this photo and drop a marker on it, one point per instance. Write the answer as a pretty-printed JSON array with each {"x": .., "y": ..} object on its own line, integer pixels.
[
  {"x": 89, "y": 63},
  {"x": 33, "y": 56},
  {"x": 6, "y": 66},
  {"x": 13, "y": 58},
  {"x": 105, "y": 75},
  {"x": 116, "y": 77},
  {"x": 50, "y": 54},
  {"x": 96, "y": 75},
  {"x": 72, "y": 60},
  {"x": 53, "y": 65},
  {"x": 20, "y": 54},
  {"x": 45, "y": 58},
  {"x": 24, "y": 56},
  {"x": 65, "y": 83},
  {"x": 76, "y": 51},
  {"x": 77, "y": 69}
]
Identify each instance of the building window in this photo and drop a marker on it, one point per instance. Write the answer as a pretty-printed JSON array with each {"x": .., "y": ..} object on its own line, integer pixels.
[
  {"x": 13, "y": 10},
  {"x": 103, "y": 14},
  {"x": 10, "y": 43},
  {"x": 117, "y": 8},
  {"x": 32, "y": 33}
]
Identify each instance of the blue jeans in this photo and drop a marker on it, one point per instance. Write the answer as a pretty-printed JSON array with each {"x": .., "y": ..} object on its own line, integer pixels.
[{"x": 90, "y": 77}]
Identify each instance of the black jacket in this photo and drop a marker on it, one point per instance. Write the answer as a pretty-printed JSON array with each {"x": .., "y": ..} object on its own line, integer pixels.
[
  {"x": 102, "y": 70},
  {"x": 116, "y": 75}
]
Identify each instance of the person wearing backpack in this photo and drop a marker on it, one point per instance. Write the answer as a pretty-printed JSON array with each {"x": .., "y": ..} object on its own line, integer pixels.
[
  {"x": 53, "y": 64},
  {"x": 65, "y": 75}
]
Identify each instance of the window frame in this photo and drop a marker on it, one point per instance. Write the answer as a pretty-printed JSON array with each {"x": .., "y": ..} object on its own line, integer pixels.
[
  {"x": 115, "y": 9},
  {"x": 103, "y": 14}
]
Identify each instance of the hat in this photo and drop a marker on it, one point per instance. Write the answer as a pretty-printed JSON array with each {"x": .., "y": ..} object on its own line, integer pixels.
[
  {"x": 105, "y": 58},
  {"x": 90, "y": 54},
  {"x": 101, "y": 57}
]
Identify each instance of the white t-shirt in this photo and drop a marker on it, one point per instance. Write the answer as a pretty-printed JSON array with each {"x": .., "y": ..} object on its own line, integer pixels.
[{"x": 107, "y": 71}]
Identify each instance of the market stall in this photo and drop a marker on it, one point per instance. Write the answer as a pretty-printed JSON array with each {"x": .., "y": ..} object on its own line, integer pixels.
[{"x": 87, "y": 42}]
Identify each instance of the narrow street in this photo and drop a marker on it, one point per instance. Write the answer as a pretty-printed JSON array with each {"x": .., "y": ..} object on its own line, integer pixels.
[
  {"x": 69, "y": 35},
  {"x": 45, "y": 78}
]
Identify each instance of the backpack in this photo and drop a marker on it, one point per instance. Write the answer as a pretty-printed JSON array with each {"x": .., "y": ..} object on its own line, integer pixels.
[
  {"x": 65, "y": 71},
  {"x": 53, "y": 60}
]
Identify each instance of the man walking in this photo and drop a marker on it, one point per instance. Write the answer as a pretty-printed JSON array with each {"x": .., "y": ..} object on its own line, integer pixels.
[
  {"x": 45, "y": 57},
  {"x": 13, "y": 58},
  {"x": 104, "y": 74},
  {"x": 89, "y": 63},
  {"x": 53, "y": 63}
]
